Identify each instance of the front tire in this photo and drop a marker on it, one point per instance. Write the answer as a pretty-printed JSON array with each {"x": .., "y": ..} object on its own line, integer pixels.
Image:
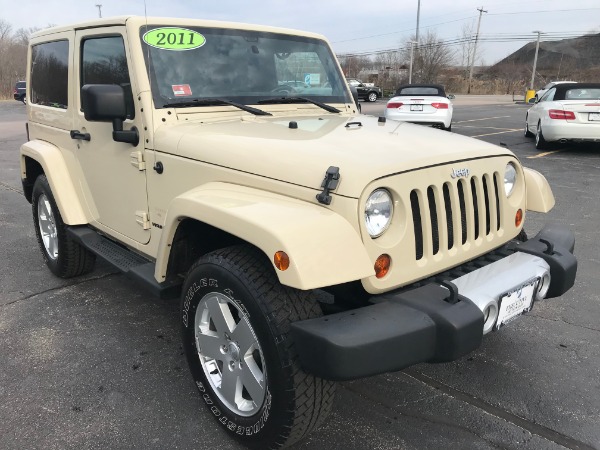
[
  {"x": 372, "y": 97},
  {"x": 236, "y": 337},
  {"x": 64, "y": 256}
]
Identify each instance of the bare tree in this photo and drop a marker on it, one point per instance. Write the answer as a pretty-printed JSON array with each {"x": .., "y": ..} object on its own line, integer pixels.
[
  {"x": 431, "y": 57},
  {"x": 465, "y": 53},
  {"x": 352, "y": 65},
  {"x": 392, "y": 70},
  {"x": 13, "y": 54},
  {"x": 5, "y": 30},
  {"x": 21, "y": 36},
  {"x": 509, "y": 77}
]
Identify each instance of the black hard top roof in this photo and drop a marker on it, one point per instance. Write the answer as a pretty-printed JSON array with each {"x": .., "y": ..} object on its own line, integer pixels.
[
  {"x": 563, "y": 88},
  {"x": 439, "y": 87}
]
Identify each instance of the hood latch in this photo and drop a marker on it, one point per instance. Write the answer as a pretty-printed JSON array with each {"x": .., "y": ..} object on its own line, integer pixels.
[{"x": 330, "y": 182}]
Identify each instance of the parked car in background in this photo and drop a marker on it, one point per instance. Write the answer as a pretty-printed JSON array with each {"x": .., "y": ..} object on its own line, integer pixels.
[
  {"x": 568, "y": 112},
  {"x": 421, "y": 103},
  {"x": 19, "y": 91},
  {"x": 542, "y": 91},
  {"x": 365, "y": 92}
]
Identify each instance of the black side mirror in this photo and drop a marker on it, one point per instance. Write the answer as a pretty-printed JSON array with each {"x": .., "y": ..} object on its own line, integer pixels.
[
  {"x": 106, "y": 103},
  {"x": 354, "y": 92}
]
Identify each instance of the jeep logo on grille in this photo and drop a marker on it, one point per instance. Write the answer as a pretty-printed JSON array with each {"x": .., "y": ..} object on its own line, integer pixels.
[{"x": 457, "y": 173}]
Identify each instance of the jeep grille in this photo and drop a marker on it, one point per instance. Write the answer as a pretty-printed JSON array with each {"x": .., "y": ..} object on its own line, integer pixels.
[{"x": 476, "y": 197}]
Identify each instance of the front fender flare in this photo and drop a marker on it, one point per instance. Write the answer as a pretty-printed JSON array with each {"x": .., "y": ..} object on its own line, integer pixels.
[
  {"x": 539, "y": 193},
  {"x": 323, "y": 247},
  {"x": 55, "y": 168}
]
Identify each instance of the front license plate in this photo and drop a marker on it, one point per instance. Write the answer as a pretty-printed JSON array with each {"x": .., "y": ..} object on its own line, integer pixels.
[
  {"x": 594, "y": 117},
  {"x": 418, "y": 108},
  {"x": 516, "y": 303}
]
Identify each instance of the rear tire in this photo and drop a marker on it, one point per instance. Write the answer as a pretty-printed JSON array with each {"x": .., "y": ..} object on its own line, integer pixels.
[
  {"x": 64, "y": 256},
  {"x": 527, "y": 132},
  {"x": 540, "y": 142},
  {"x": 372, "y": 97},
  {"x": 236, "y": 337}
]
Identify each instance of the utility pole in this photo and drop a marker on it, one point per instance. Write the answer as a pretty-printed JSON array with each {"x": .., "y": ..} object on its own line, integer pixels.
[
  {"x": 481, "y": 11},
  {"x": 537, "y": 48},
  {"x": 99, "y": 6},
  {"x": 418, "y": 15},
  {"x": 413, "y": 43},
  {"x": 412, "y": 51}
]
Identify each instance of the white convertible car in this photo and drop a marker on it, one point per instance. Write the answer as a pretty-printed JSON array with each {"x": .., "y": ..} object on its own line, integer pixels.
[
  {"x": 420, "y": 103},
  {"x": 568, "y": 112}
]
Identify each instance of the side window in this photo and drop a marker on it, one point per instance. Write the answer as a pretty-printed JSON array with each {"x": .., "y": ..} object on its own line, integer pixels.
[
  {"x": 50, "y": 74},
  {"x": 103, "y": 61},
  {"x": 548, "y": 96}
]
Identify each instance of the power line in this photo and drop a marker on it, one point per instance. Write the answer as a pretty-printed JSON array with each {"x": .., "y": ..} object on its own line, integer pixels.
[
  {"x": 463, "y": 19},
  {"x": 494, "y": 38},
  {"x": 542, "y": 11},
  {"x": 398, "y": 32}
]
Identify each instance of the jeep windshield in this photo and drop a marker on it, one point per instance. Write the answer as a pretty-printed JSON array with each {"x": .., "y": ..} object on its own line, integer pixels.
[{"x": 241, "y": 66}]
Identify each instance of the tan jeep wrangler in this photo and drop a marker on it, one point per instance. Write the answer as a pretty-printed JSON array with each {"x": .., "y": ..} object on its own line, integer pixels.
[{"x": 227, "y": 164}]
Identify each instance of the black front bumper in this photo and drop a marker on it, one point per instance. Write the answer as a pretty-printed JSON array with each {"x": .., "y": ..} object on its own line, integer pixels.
[{"x": 429, "y": 323}]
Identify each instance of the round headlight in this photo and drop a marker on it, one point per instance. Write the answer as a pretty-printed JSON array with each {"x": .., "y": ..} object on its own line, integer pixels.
[
  {"x": 510, "y": 179},
  {"x": 378, "y": 212}
]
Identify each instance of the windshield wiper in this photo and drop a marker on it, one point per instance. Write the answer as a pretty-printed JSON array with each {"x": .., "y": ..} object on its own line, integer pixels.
[
  {"x": 297, "y": 100},
  {"x": 215, "y": 102}
]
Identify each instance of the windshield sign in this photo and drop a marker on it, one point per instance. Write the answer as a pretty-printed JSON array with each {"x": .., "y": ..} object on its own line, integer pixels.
[
  {"x": 171, "y": 38},
  {"x": 240, "y": 66}
]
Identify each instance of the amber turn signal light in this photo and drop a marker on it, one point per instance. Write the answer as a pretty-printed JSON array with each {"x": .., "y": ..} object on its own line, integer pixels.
[
  {"x": 382, "y": 265},
  {"x": 281, "y": 260},
  {"x": 518, "y": 218}
]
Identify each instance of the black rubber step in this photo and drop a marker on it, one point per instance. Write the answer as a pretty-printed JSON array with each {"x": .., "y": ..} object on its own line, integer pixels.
[{"x": 127, "y": 261}]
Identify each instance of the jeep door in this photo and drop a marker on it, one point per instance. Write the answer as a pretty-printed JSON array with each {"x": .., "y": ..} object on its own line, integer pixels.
[{"x": 114, "y": 181}]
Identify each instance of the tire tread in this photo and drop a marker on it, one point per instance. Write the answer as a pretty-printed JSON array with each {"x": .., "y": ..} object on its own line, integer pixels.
[
  {"x": 313, "y": 396},
  {"x": 73, "y": 259}
]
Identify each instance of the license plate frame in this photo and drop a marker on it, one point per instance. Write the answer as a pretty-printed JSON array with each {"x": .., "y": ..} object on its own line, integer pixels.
[
  {"x": 594, "y": 117},
  {"x": 516, "y": 302},
  {"x": 416, "y": 107}
]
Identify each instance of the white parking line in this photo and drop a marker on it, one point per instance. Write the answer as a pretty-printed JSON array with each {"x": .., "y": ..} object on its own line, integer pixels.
[
  {"x": 485, "y": 118},
  {"x": 499, "y": 132},
  {"x": 479, "y": 127}
]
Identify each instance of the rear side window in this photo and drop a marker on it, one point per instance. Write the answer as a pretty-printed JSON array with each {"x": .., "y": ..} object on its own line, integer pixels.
[
  {"x": 583, "y": 94},
  {"x": 50, "y": 74},
  {"x": 103, "y": 61}
]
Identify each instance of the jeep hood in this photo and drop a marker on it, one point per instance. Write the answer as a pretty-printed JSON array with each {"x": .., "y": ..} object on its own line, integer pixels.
[{"x": 362, "y": 148}]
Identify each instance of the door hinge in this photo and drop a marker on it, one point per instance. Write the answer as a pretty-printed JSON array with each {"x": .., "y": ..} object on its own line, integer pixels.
[
  {"x": 141, "y": 217},
  {"x": 137, "y": 160}
]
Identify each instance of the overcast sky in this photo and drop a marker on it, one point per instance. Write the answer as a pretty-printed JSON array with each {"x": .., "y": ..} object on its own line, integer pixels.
[{"x": 352, "y": 26}]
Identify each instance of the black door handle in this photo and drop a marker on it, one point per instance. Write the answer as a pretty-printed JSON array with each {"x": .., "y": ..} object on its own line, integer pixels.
[{"x": 76, "y": 134}]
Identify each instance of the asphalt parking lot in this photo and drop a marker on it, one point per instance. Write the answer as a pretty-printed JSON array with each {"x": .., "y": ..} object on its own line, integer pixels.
[{"x": 94, "y": 363}]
